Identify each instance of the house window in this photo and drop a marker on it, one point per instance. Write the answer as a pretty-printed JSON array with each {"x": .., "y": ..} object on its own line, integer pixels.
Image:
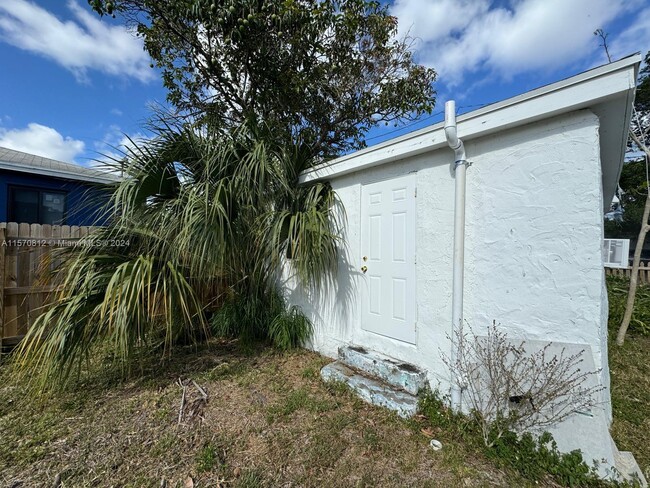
[{"x": 35, "y": 206}]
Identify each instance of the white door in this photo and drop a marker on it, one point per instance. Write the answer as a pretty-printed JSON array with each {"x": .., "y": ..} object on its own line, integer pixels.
[{"x": 387, "y": 258}]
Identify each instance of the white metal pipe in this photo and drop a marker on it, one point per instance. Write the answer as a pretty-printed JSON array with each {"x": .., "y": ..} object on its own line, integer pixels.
[{"x": 460, "y": 169}]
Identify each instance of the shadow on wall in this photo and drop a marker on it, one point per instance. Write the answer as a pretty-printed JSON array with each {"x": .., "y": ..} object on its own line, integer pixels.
[{"x": 332, "y": 303}]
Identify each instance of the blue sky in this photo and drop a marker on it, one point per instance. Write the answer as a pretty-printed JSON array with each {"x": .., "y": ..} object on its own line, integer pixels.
[{"x": 73, "y": 84}]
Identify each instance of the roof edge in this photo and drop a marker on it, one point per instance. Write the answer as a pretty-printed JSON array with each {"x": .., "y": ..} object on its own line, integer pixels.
[
  {"x": 56, "y": 173},
  {"x": 475, "y": 124}
]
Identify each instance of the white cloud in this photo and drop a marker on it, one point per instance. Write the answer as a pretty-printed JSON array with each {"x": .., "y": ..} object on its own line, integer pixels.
[
  {"x": 43, "y": 141},
  {"x": 432, "y": 20},
  {"x": 457, "y": 37},
  {"x": 82, "y": 44},
  {"x": 635, "y": 38}
]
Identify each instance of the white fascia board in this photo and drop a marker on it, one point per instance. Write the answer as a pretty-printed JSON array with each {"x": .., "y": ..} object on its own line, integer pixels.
[
  {"x": 578, "y": 92},
  {"x": 57, "y": 173}
]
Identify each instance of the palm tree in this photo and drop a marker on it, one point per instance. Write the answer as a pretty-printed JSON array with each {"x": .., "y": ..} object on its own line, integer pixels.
[{"x": 197, "y": 234}]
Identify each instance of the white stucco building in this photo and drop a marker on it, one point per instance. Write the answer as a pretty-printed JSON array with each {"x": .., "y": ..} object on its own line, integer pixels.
[{"x": 544, "y": 169}]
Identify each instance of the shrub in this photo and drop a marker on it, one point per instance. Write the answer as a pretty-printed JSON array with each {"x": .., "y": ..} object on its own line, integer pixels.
[
  {"x": 535, "y": 458},
  {"x": 203, "y": 215},
  {"x": 258, "y": 317},
  {"x": 507, "y": 388}
]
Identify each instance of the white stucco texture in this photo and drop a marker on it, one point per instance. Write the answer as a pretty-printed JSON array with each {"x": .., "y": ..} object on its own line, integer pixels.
[{"x": 533, "y": 260}]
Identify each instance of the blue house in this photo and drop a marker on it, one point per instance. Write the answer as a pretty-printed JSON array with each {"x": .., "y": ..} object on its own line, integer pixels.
[{"x": 38, "y": 190}]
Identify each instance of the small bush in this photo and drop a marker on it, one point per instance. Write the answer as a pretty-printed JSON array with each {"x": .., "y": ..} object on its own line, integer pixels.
[
  {"x": 290, "y": 329},
  {"x": 262, "y": 316},
  {"x": 508, "y": 387},
  {"x": 534, "y": 458}
]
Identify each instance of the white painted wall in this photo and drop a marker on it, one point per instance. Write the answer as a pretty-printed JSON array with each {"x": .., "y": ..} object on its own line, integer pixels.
[
  {"x": 536, "y": 228},
  {"x": 533, "y": 253}
]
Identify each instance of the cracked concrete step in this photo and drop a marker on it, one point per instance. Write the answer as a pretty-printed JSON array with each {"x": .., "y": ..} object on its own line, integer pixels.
[
  {"x": 371, "y": 390},
  {"x": 391, "y": 371}
]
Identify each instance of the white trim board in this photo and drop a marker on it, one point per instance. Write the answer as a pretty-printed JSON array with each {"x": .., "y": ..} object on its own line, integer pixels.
[{"x": 585, "y": 90}]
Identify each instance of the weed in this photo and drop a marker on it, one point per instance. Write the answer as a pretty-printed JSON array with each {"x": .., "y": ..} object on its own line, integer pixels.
[
  {"x": 208, "y": 458},
  {"x": 536, "y": 458},
  {"x": 326, "y": 448},
  {"x": 249, "y": 479},
  {"x": 438, "y": 414},
  {"x": 309, "y": 373},
  {"x": 338, "y": 421},
  {"x": 255, "y": 316},
  {"x": 338, "y": 388},
  {"x": 296, "y": 400},
  {"x": 290, "y": 328},
  {"x": 164, "y": 444},
  {"x": 371, "y": 438}
]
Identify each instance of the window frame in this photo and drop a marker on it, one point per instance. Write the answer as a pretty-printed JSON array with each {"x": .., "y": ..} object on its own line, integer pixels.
[{"x": 11, "y": 188}]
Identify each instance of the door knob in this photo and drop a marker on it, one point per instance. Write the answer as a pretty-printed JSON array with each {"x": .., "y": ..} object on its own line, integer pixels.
[{"x": 364, "y": 268}]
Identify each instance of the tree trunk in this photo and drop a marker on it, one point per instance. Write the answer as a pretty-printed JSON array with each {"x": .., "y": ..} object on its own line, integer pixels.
[{"x": 634, "y": 279}]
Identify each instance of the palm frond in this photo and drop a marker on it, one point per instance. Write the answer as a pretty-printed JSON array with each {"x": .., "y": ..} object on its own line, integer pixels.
[{"x": 207, "y": 222}]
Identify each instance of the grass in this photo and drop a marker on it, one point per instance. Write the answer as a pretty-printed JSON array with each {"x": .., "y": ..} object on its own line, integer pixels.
[
  {"x": 617, "y": 288},
  {"x": 269, "y": 421},
  {"x": 629, "y": 367}
]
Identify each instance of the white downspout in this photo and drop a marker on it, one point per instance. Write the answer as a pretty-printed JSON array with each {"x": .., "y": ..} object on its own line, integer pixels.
[{"x": 460, "y": 168}]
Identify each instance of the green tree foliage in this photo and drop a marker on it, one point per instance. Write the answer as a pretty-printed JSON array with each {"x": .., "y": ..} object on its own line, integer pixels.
[
  {"x": 642, "y": 99},
  {"x": 634, "y": 185},
  {"x": 641, "y": 116},
  {"x": 210, "y": 210},
  {"x": 198, "y": 230},
  {"x": 633, "y": 180},
  {"x": 319, "y": 72}
]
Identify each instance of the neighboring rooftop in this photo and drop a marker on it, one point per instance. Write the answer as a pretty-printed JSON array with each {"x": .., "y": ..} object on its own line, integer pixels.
[{"x": 30, "y": 163}]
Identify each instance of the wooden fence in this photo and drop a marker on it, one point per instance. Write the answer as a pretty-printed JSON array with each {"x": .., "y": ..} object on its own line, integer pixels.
[
  {"x": 644, "y": 272},
  {"x": 27, "y": 258}
]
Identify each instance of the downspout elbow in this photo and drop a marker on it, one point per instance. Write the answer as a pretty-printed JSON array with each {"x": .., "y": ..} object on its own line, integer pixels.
[{"x": 451, "y": 132}]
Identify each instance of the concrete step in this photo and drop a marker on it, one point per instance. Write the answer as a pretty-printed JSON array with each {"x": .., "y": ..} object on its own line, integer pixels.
[
  {"x": 628, "y": 467},
  {"x": 396, "y": 373},
  {"x": 371, "y": 390}
]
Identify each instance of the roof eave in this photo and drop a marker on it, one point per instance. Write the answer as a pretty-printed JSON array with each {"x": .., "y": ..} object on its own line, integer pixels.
[
  {"x": 99, "y": 179},
  {"x": 584, "y": 90}
]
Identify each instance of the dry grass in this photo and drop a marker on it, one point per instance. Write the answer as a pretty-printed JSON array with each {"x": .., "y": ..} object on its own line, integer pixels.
[
  {"x": 629, "y": 367},
  {"x": 269, "y": 421}
]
